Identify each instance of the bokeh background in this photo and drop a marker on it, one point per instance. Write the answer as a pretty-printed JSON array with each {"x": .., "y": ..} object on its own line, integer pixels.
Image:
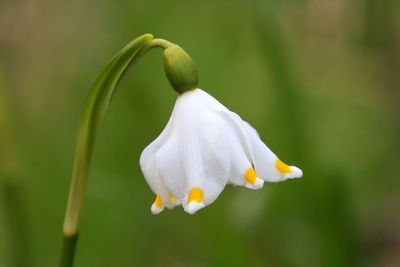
[{"x": 319, "y": 80}]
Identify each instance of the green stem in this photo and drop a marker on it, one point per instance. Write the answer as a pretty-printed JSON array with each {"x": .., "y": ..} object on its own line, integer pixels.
[
  {"x": 160, "y": 43},
  {"x": 96, "y": 106},
  {"x": 68, "y": 250}
]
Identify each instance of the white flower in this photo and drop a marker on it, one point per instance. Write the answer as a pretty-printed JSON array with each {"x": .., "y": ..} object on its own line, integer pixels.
[{"x": 204, "y": 147}]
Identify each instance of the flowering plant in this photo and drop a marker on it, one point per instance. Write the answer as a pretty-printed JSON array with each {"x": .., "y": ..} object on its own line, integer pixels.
[{"x": 203, "y": 147}]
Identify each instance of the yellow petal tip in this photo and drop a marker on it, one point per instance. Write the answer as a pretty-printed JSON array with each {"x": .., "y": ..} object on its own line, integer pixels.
[{"x": 282, "y": 167}]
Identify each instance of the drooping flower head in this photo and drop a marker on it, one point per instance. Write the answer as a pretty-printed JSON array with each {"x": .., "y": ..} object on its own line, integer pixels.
[{"x": 203, "y": 148}]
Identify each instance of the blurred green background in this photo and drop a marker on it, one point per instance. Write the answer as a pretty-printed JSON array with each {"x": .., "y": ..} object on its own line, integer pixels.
[{"x": 319, "y": 80}]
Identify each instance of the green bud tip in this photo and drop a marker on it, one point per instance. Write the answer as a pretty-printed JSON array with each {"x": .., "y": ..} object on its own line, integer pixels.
[{"x": 180, "y": 69}]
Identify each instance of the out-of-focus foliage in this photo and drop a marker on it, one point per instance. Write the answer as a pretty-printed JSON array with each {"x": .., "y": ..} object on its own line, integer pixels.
[{"x": 318, "y": 79}]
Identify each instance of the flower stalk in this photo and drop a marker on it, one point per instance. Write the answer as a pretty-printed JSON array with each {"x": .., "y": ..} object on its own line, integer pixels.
[{"x": 96, "y": 106}]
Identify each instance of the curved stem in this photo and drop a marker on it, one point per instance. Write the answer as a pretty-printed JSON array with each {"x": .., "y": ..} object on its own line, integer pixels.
[
  {"x": 160, "y": 43},
  {"x": 96, "y": 106}
]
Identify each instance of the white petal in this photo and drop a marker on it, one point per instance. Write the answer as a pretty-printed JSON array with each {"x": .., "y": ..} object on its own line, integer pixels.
[
  {"x": 265, "y": 161},
  {"x": 156, "y": 210},
  {"x": 258, "y": 184},
  {"x": 150, "y": 170},
  {"x": 209, "y": 101},
  {"x": 240, "y": 163},
  {"x": 170, "y": 168},
  {"x": 193, "y": 207},
  {"x": 195, "y": 155}
]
